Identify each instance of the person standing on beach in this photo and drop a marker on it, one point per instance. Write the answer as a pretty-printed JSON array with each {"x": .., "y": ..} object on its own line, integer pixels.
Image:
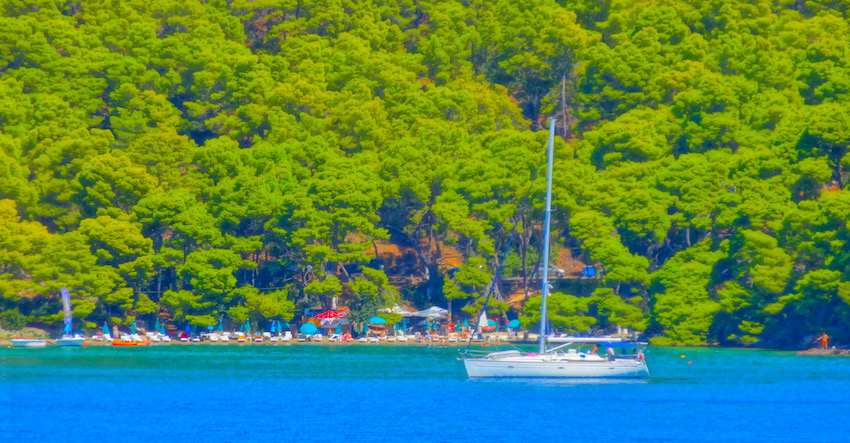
[{"x": 824, "y": 341}]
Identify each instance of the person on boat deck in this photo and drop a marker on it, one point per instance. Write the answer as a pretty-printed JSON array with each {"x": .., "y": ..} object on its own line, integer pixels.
[
  {"x": 595, "y": 348},
  {"x": 639, "y": 354},
  {"x": 824, "y": 340},
  {"x": 611, "y": 354}
]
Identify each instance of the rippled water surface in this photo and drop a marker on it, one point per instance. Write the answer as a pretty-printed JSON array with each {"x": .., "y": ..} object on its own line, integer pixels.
[{"x": 190, "y": 393}]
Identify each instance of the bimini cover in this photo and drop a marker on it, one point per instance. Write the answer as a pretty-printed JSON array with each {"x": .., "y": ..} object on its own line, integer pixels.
[{"x": 619, "y": 344}]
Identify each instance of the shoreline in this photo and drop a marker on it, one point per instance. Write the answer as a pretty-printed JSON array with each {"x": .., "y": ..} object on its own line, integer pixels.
[{"x": 432, "y": 344}]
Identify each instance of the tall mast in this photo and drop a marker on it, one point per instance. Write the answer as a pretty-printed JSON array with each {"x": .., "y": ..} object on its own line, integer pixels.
[{"x": 544, "y": 318}]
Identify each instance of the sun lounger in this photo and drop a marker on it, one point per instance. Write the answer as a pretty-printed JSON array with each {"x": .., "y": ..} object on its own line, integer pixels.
[{"x": 287, "y": 336}]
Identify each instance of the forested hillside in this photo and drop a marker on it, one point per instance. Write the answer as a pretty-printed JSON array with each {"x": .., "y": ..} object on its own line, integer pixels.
[{"x": 199, "y": 160}]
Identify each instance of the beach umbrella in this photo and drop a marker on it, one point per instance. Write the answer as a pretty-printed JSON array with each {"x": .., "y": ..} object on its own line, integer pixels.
[
  {"x": 330, "y": 314},
  {"x": 377, "y": 320},
  {"x": 133, "y": 328},
  {"x": 308, "y": 329},
  {"x": 274, "y": 327},
  {"x": 338, "y": 329},
  {"x": 404, "y": 324},
  {"x": 188, "y": 328},
  {"x": 465, "y": 322},
  {"x": 105, "y": 329},
  {"x": 210, "y": 328},
  {"x": 513, "y": 324},
  {"x": 285, "y": 324},
  {"x": 156, "y": 325},
  {"x": 162, "y": 329},
  {"x": 247, "y": 325},
  {"x": 220, "y": 326}
]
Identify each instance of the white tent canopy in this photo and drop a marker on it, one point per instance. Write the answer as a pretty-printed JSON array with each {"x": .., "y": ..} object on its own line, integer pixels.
[
  {"x": 397, "y": 310},
  {"x": 432, "y": 312}
]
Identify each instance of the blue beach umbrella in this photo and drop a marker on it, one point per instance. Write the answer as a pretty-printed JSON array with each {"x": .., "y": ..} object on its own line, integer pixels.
[
  {"x": 286, "y": 324},
  {"x": 105, "y": 329},
  {"x": 247, "y": 325},
  {"x": 220, "y": 326},
  {"x": 404, "y": 324},
  {"x": 162, "y": 329},
  {"x": 188, "y": 328},
  {"x": 308, "y": 329},
  {"x": 274, "y": 327},
  {"x": 156, "y": 325},
  {"x": 377, "y": 320},
  {"x": 465, "y": 322},
  {"x": 338, "y": 329},
  {"x": 133, "y": 328},
  {"x": 513, "y": 324}
]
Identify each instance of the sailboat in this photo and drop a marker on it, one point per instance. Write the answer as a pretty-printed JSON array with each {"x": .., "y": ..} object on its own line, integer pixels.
[
  {"x": 567, "y": 359},
  {"x": 69, "y": 339}
]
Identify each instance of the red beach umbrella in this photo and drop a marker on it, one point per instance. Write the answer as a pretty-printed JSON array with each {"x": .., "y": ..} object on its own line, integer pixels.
[{"x": 330, "y": 314}]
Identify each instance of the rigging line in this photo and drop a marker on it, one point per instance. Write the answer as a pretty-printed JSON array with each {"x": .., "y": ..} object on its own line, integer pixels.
[
  {"x": 501, "y": 263},
  {"x": 495, "y": 280}
]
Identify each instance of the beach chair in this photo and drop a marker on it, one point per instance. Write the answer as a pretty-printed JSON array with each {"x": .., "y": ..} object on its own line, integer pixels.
[
  {"x": 301, "y": 338},
  {"x": 402, "y": 338},
  {"x": 287, "y": 336},
  {"x": 333, "y": 337}
]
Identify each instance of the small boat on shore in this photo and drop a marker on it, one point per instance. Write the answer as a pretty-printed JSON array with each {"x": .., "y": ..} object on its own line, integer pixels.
[
  {"x": 71, "y": 341},
  {"x": 28, "y": 343},
  {"x": 68, "y": 340}
]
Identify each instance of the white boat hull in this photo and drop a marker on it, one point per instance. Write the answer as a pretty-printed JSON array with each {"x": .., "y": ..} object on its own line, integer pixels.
[
  {"x": 539, "y": 368},
  {"x": 70, "y": 342},
  {"x": 28, "y": 343}
]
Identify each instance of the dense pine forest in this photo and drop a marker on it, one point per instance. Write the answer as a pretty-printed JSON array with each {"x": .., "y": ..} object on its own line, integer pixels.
[{"x": 197, "y": 161}]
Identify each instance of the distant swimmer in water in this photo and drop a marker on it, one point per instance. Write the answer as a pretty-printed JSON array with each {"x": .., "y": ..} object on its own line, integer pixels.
[{"x": 824, "y": 341}]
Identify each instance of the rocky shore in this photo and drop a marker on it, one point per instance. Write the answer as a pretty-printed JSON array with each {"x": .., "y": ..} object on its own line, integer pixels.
[{"x": 830, "y": 352}]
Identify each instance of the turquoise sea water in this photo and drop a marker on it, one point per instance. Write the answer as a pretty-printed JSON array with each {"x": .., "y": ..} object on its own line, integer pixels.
[{"x": 192, "y": 393}]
